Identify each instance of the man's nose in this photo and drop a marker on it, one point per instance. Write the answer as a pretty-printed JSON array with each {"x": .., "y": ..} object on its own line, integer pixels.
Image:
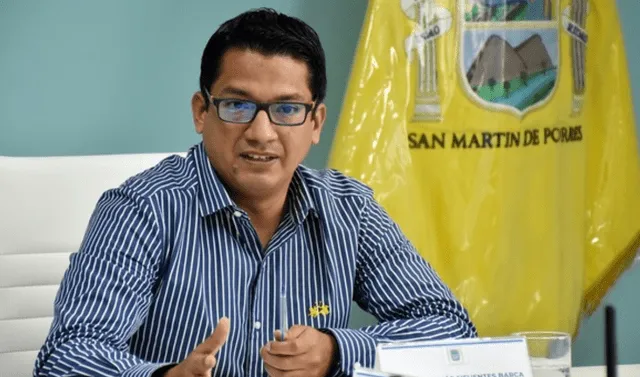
[{"x": 261, "y": 129}]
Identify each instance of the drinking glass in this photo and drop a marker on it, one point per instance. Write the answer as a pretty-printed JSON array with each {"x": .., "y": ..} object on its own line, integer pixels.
[{"x": 550, "y": 353}]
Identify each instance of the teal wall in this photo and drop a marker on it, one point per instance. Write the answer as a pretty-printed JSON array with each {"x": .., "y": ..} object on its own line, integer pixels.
[{"x": 91, "y": 77}]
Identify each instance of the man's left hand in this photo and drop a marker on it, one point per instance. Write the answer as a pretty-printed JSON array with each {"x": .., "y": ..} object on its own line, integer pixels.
[{"x": 305, "y": 351}]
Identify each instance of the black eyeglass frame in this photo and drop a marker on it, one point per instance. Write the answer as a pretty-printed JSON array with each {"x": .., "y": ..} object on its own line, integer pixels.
[{"x": 308, "y": 107}]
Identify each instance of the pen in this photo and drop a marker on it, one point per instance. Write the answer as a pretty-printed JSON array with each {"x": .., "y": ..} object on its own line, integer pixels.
[{"x": 283, "y": 314}]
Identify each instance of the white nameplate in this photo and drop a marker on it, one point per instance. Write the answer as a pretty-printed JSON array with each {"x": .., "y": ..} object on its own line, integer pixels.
[
  {"x": 480, "y": 357},
  {"x": 364, "y": 372}
]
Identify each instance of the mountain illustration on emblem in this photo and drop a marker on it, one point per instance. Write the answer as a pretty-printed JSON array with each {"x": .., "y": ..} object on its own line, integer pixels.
[{"x": 518, "y": 76}]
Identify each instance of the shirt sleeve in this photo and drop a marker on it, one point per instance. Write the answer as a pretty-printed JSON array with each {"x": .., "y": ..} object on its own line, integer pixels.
[
  {"x": 105, "y": 293},
  {"x": 396, "y": 285}
]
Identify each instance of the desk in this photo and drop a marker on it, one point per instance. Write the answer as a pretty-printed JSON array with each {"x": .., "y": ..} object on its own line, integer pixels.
[{"x": 601, "y": 371}]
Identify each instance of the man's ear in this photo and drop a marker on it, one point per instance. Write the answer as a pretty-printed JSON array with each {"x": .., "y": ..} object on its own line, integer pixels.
[
  {"x": 317, "y": 121},
  {"x": 199, "y": 111}
]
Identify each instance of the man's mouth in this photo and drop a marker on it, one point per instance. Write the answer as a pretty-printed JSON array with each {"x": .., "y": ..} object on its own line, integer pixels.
[{"x": 258, "y": 157}]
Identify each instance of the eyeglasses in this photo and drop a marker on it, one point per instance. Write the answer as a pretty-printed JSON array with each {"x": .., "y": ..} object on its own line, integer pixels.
[{"x": 244, "y": 111}]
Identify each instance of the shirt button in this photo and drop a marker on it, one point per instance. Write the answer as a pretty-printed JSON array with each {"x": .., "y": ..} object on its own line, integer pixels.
[
  {"x": 237, "y": 214},
  {"x": 257, "y": 325}
]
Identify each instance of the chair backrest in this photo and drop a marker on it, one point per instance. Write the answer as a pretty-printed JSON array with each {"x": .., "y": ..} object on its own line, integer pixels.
[
  {"x": 629, "y": 370},
  {"x": 45, "y": 205}
]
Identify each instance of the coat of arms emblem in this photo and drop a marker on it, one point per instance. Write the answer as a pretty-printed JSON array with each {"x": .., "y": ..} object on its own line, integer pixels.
[{"x": 509, "y": 53}]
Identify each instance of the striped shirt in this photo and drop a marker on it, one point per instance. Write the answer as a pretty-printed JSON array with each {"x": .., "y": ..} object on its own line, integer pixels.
[{"x": 168, "y": 253}]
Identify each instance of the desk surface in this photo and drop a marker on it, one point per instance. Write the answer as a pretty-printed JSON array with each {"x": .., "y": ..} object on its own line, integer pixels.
[{"x": 600, "y": 371}]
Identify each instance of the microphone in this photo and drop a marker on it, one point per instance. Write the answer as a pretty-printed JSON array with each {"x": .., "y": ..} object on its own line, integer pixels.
[{"x": 611, "y": 355}]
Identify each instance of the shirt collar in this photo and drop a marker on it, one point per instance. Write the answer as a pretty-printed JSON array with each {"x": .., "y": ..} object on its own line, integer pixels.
[
  {"x": 214, "y": 196},
  {"x": 299, "y": 197}
]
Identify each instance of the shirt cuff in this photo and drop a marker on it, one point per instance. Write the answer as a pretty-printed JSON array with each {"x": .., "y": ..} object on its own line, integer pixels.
[
  {"x": 354, "y": 346},
  {"x": 145, "y": 369}
]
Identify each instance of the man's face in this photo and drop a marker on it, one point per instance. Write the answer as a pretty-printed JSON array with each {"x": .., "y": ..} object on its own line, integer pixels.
[{"x": 258, "y": 158}]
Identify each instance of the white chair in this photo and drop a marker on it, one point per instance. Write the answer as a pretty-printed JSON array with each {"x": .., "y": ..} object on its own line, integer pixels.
[
  {"x": 45, "y": 205},
  {"x": 628, "y": 370}
]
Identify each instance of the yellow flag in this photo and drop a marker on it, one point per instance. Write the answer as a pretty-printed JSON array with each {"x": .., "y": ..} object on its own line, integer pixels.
[{"x": 500, "y": 135}]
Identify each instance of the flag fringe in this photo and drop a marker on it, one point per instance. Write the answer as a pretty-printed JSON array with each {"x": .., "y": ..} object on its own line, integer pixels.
[{"x": 596, "y": 292}]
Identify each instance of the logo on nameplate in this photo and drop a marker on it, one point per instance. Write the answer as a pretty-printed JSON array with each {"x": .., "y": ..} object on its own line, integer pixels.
[{"x": 455, "y": 355}]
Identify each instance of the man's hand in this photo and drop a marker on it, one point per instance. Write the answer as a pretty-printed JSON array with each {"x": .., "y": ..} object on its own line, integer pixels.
[
  {"x": 305, "y": 352},
  {"x": 201, "y": 360}
]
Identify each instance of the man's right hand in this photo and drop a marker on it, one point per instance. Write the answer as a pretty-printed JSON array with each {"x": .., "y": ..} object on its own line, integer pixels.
[{"x": 201, "y": 360}]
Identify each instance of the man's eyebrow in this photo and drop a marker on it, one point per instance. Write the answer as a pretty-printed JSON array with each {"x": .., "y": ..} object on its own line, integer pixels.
[
  {"x": 234, "y": 91},
  {"x": 291, "y": 97}
]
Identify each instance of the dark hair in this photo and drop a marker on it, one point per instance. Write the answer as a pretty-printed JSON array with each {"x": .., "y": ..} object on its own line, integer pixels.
[{"x": 270, "y": 33}]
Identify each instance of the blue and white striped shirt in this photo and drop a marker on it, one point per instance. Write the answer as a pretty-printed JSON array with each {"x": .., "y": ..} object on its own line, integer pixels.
[{"x": 168, "y": 253}]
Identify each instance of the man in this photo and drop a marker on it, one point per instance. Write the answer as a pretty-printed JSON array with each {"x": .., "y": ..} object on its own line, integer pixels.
[{"x": 184, "y": 268}]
